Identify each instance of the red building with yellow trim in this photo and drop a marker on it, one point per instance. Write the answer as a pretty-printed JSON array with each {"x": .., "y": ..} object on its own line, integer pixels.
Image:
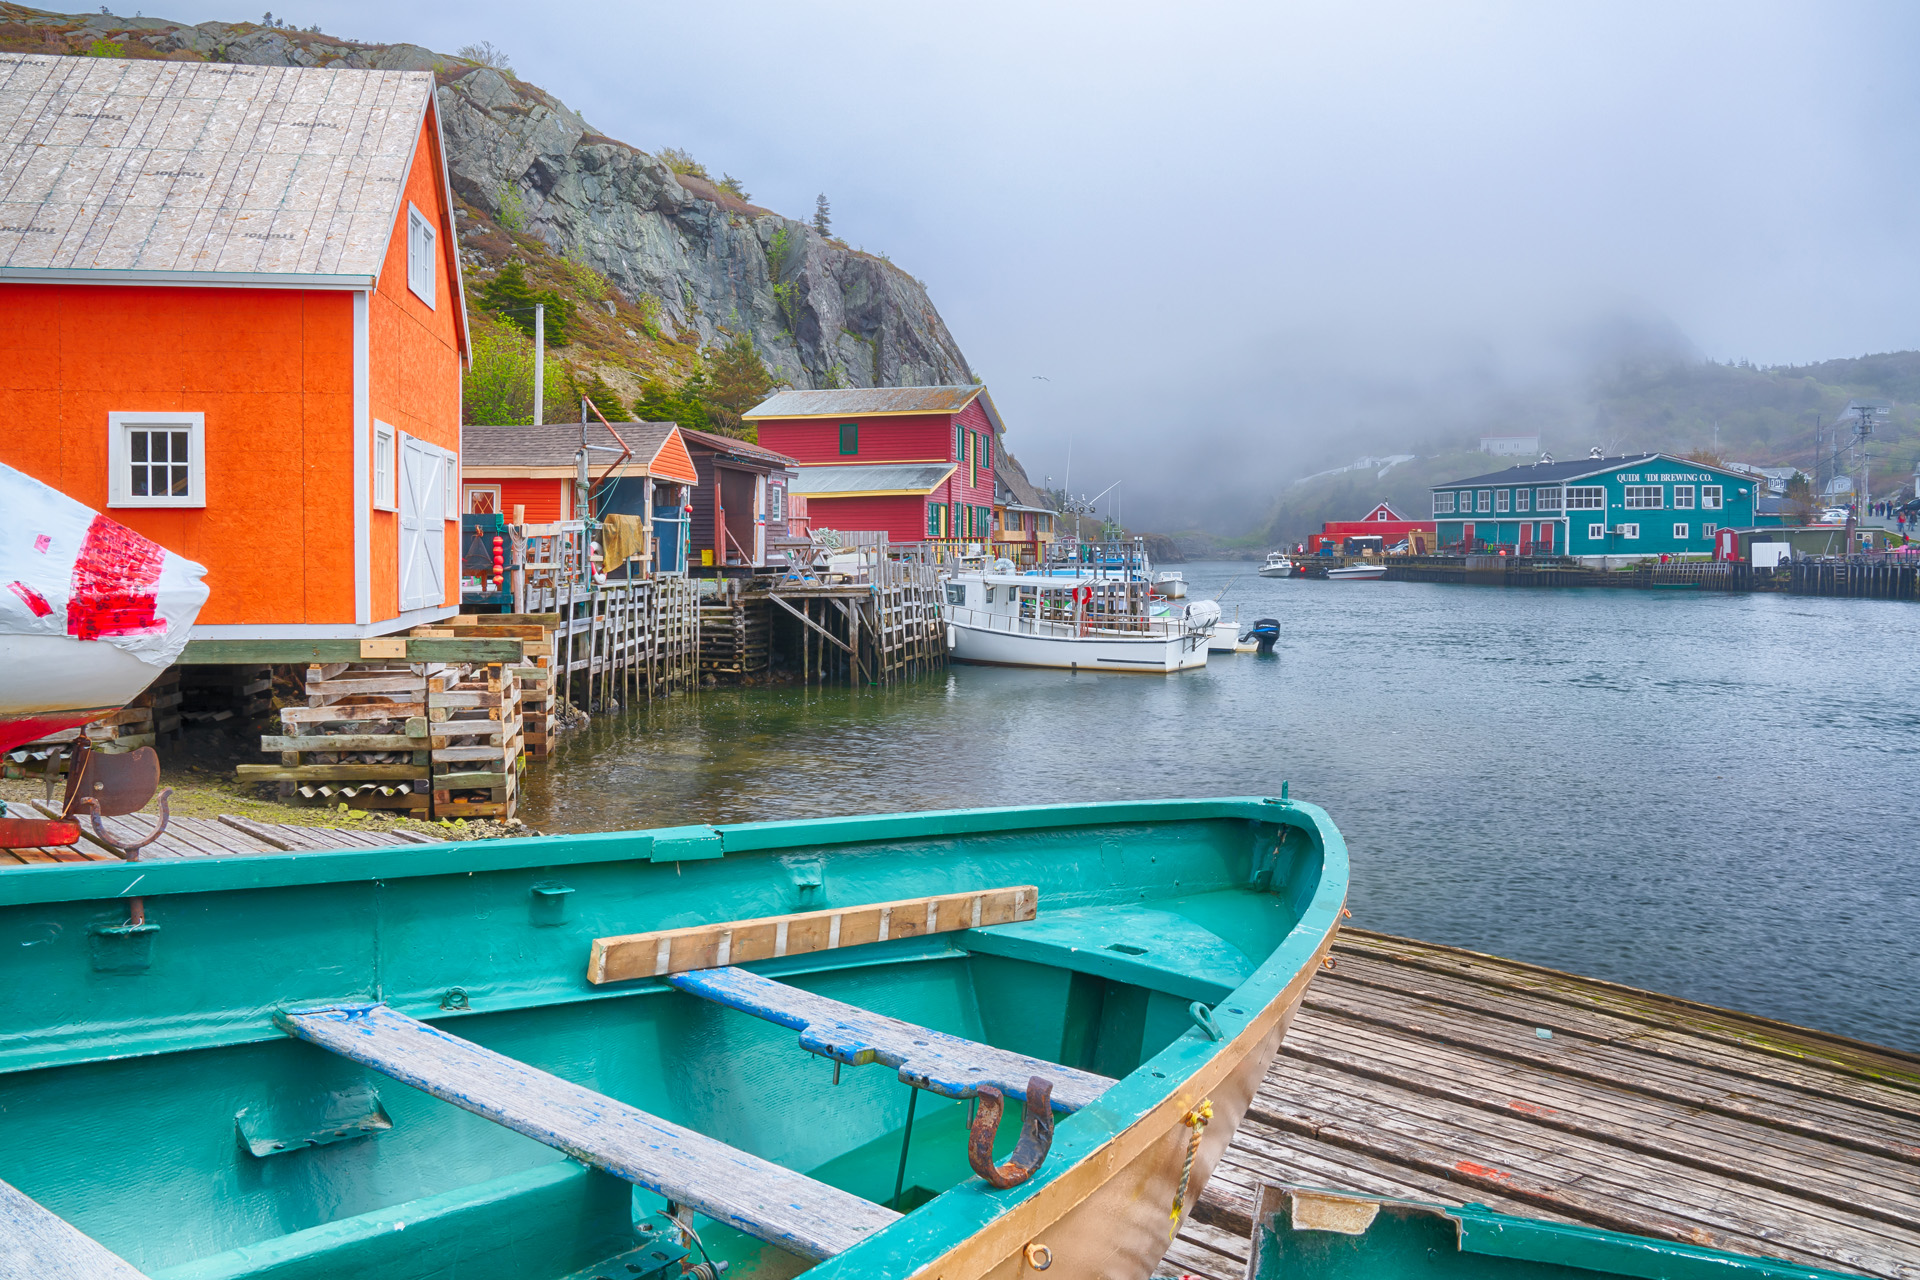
[{"x": 916, "y": 463}]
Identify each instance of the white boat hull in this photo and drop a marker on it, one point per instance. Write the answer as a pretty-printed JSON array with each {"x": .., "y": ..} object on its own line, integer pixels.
[
  {"x": 51, "y": 683},
  {"x": 1226, "y": 639},
  {"x": 1277, "y": 571},
  {"x": 1357, "y": 573},
  {"x": 1154, "y": 655}
]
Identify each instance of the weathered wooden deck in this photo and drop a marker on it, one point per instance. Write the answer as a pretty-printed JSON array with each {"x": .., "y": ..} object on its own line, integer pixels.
[
  {"x": 225, "y": 836},
  {"x": 1424, "y": 1072}
]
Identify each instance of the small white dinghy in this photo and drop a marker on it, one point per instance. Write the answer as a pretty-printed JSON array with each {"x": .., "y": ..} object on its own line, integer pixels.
[
  {"x": 91, "y": 613},
  {"x": 1357, "y": 572}
]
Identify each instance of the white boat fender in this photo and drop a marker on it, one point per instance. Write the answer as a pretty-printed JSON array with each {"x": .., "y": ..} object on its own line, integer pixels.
[
  {"x": 953, "y": 637},
  {"x": 1202, "y": 614}
]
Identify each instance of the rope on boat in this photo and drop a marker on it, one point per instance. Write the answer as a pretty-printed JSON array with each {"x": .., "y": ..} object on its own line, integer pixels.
[{"x": 1196, "y": 1122}]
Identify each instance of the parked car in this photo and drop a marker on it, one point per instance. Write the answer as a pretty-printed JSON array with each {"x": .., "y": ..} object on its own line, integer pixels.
[{"x": 1834, "y": 515}]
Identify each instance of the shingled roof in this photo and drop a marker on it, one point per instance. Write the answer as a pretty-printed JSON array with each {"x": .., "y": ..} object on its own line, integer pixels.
[
  {"x": 122, "y": 169},
  {"x": 551, "y": 449},
  {"x": 873, "y": 402}
]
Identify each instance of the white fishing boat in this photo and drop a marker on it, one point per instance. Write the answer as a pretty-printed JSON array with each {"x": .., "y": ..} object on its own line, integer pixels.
[
  {"x": 1082, "y": 622},
  {"x": 91, "y": 612},
  {"x": 1170, "y": 584},
  {"x": 1357, "y": 572},
  {"x": 1277, "y": 566}
]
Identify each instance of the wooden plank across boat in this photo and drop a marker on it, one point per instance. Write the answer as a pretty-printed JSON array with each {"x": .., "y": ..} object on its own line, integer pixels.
[{"x": 510, "y": 1060}]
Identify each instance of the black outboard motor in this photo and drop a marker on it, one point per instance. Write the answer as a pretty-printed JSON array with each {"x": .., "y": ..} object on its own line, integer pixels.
[{"x": 1263, "y": 633}]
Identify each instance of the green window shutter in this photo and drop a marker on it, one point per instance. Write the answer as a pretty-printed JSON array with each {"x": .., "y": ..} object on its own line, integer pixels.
[
  {"x": 849, "y": 439},
  {"x": 933, "y": 519}
]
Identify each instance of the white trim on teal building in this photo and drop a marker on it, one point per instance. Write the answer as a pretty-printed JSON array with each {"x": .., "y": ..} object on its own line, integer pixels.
[{"x": 1598, "y": 509}]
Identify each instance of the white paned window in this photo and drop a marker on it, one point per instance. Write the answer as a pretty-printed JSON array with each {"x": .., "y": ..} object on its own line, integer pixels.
[
  {"x": 1683, "y": 497},
  {"x": 1596, "y": 531},
  {"x": 1501, "y": 498},
  {"x": 1520, "y": 497},
  {"x": 483, "y": 500},
  {"x": 1710, "y": 497},
  {"x": 1630, "y": 531},
  {"x": 1546, "y": 499},
  {"x": 420, "y": 254},
  {"x": 776, "y": 502},
  {"x": 383, "y": 445},
  {"x": 1644, "y": 497},
  {"x": 1586, "y": 498},
  {"x": 1708, "y": 530},
  {"x": 450, "y": 498},
  {"x": 1680, "y": 532},
  {"x": 1485, "y": 501},
  {"x": 1442, "y": 504},
  {"x": 156, "y": 460}
]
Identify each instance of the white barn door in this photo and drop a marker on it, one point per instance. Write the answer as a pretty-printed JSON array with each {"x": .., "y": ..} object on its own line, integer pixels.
[{"x": 423, "y": 541}]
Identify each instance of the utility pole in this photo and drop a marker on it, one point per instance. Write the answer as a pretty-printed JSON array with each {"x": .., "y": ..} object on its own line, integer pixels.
[{"x": 539, "y": 364}]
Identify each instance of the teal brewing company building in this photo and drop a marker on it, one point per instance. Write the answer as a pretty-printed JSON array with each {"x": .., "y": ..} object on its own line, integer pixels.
[{"x": 1643, "y": 505}]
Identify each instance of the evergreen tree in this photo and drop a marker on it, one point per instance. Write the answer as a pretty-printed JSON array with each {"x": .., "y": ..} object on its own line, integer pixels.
[
  {"x": 510, "y": 296},
  {"x": 685, "y": 404},
  {"x": 738, "y": 381},
  {"x": 590, "y": 385},
  {"x": 822, "y": 215}
]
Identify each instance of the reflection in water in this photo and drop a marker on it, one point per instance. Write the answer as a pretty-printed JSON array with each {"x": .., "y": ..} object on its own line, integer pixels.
[{"x": 1702, "y": 794}]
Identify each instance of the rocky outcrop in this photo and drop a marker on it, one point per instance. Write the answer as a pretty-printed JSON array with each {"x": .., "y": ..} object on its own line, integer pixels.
[{"x": 820, "y": 312}]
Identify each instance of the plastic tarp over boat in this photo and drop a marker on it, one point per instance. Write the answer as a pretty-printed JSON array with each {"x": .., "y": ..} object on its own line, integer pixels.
[{"x": 90, "y": 612}]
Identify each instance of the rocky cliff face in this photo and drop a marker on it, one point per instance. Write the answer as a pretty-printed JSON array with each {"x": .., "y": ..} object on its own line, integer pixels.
[{"x": 688, "y": 264}]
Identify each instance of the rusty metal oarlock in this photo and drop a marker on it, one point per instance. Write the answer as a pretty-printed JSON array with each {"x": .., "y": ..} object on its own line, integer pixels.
[{"x": 1036, "y": 1134}]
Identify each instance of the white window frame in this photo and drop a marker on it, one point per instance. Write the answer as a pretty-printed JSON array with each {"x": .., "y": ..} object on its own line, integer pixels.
[
  {"x": 450, "y": 499},
  {"x": 1712, "y": 497},
  {"x": 1502, "y": 499},
  {"x": 1680, "y": 533},
  {"x": 1645, "y": 497},
  {"x": 1483, "y": 504},
  {"x": 1683, "y": 497},
  {"x": 121, "y": 425},
  {"x": 1546, "y": 499},
  {"x": 1586, "y": 497},
  {"x": 1443, "y": 504},
  {"x": 1708, "y": 530},
  {"x": 777, "y": 502},
  {"x": 1630, "y": 532},
  {"x": 1520, "y": 499},
  {"x": 1596, "y": 532},
  {"x": 421, "y": 238},
  {"x": 386, "y": 462},
  {"x": 466, "y": 498}
]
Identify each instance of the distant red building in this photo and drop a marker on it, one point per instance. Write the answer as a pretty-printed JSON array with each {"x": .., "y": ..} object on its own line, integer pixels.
[
  {"x": 1382, "y": 522},
  {"x": 913, "y": 462}
]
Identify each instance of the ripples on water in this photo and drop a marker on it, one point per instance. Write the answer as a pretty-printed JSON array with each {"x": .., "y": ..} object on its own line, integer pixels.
[{"x": 1707, "y": 795}]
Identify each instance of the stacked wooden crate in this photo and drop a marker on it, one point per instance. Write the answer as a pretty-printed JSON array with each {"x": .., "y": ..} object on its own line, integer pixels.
[
  {"x": 473, "y": 715},
  {"x": 361, "y": 740},
  {"x": 165, "y": 698},
  {"x": 533, "y": 676}
]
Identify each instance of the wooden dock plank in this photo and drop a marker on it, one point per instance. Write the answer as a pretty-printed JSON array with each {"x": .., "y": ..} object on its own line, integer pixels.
[
  {"x": 38, "y": 1244},
  {"x": 948, "y": 1065},
  {"x": 784, "y": 1208},
  {"x": 1419, "y": 1071}
]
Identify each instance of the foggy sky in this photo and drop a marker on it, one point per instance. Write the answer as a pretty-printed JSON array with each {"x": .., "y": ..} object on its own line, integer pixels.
[{"x": 1238, "y": 240}]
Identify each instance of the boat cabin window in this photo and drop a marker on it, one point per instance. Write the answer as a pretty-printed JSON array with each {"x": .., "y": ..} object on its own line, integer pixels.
[
  {"x": 956, "y": 593},
  {"x": 989, "y": 594}
]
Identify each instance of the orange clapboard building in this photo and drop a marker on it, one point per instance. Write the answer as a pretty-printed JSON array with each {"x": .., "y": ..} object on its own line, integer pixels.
[{"x": 231, "y": 318}]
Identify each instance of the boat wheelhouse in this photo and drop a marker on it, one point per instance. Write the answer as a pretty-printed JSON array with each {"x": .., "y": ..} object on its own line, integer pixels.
[{"x": 1078, "y": 622}]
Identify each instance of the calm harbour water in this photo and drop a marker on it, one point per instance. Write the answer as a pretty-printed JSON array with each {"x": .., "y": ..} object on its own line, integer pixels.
[{"x": 1711, "y": 796}]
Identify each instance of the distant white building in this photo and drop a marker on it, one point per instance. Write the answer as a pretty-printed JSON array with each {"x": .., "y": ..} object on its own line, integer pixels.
[{"x": 1510, "y": 446}]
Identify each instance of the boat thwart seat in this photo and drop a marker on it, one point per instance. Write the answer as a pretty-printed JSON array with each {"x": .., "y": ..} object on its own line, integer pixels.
[
  {"x": 34, "y": 1242},
  {"x": 756, "y": 1196},
  {"x": 949, "y": 1065}
]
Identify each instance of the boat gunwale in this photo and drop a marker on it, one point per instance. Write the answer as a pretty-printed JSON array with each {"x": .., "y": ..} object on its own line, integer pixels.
[{"x": 92, "y": 881}]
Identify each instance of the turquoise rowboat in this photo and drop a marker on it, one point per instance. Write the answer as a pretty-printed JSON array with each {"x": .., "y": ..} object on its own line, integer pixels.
[
  {"x": 782, "y": 1047},
  {"x": 1304, "y": 1234}
]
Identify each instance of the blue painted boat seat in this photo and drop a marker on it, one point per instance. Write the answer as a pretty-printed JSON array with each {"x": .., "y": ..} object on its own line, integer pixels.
[
  {"x": 45, "y": 1246},
  {"x": 949, "y": 1065},
  {"x": 761, "y": 1198},
  {"x": 1144, "y": 946}
]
